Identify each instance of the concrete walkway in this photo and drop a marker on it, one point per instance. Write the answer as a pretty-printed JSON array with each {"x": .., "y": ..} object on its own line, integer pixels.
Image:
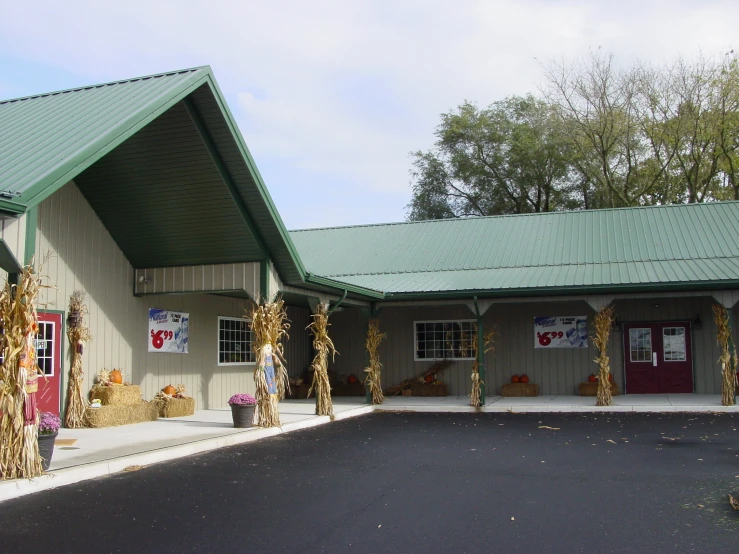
[{"x": 88, "y": 453}]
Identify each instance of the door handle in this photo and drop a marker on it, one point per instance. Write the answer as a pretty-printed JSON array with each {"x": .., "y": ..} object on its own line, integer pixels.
[{"x": 654, "y": 359}]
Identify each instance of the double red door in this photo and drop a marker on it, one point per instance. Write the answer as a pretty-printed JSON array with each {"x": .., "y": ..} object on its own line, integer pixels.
[
  {"x": 49, "y": 358},
  {"x": 658, "y": 358}
]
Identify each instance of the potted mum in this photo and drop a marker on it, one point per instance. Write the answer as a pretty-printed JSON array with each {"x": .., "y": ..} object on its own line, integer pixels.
[
  {"x": 48, "y": 429},
  {"x": 242, "y": 410}
]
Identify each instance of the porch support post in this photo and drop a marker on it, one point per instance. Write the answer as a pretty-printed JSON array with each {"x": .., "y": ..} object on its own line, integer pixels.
[
  {"x": 480, "y": 352},
  {"x": 366, "y": 316},
  {"x": 732, "y": 348},
  {"x": 264, "y": 279}
]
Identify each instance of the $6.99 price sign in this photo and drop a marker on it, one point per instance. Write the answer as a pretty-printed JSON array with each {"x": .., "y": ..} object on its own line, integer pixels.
[
  {"x": 158, "y": 337},
  {"x": 168, "y": 331}
]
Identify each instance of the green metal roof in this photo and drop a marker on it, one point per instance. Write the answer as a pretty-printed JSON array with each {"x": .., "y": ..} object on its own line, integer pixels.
[
  {"x": 598, "y": 250},
  {"x": 158, "y": 154}
]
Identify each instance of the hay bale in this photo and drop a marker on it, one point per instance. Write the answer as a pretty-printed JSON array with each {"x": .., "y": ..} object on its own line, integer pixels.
[
  {"x": 520, "y": 389},
  {"x": 176, "y": 407},
  {"x": 591, "y": 389},
  {"x": 112, "y": 416},
  {"x": 116, "y": 395}
]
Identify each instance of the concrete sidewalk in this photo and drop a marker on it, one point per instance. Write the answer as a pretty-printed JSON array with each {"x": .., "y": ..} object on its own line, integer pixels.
[{"x": 88, "y": 453}]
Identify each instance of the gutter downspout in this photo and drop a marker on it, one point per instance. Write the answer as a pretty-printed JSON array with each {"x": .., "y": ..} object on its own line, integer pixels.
[
  {"x": 480, "y": 352},
  {"x": 338, "y": 303}
]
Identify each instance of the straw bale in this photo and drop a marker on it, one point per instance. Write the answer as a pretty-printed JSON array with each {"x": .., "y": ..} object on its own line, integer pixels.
[
  {"x": 112, "y": 416},
  {"x": 116, "y": 395},
  {"x": 176, "y": 407},
  {"x": 520, "y": 389}
]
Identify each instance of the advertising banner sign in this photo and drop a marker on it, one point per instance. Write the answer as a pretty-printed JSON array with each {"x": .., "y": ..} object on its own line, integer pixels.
[
  {"x": 561, "y": 332},
  {"x": 168, "y": 331}
]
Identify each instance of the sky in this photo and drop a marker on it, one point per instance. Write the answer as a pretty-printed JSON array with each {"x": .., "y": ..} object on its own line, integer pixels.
[{"x": 333, "y": 96}]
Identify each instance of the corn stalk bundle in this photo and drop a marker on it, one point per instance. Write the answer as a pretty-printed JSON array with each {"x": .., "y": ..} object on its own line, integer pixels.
[
  {"x": 603, "y": 323},
  {"x": 488, "y": 338},
  {"x": 323, "y": 345},
  {"x": 433, "y": 369},
  {"x": 374, "y": 369},
  {"x": 269, "y": 323},
  {"x": 728, "y": 360},
  {"x": 19, "y": 454},
  {"x": 78, "y": 334}
]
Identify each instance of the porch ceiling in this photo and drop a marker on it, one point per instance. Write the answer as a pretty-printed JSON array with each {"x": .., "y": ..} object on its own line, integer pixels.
[{"x": 161, "y": 197}]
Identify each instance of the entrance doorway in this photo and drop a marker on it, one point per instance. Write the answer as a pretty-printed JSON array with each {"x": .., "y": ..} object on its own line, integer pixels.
[
  {"x": 658, "y": 358},
  {"x": 49, "y": 358}
]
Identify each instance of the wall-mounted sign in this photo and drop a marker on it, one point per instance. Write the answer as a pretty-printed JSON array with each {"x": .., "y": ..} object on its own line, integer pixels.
[
  {"x": 168, "y": 331},
  {"x": 561, "y": 332}
]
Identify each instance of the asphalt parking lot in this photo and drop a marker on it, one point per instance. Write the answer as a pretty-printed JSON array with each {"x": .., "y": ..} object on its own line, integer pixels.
[{"x": 415, "y": 482}]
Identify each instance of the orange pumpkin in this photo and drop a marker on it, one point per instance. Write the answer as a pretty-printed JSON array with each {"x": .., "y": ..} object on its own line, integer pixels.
[
  {"x": 352, "y": 379},
  {"x": 524, "y": 378},
  {"x": 429, "y": 378},
  {"x": 515, "y": 379},
  {"x": 610, "y": 377},
  {"x": 116, "y": 376},
  {"x": 592, "y": 378},
  {"x": 170, "y": 390}
]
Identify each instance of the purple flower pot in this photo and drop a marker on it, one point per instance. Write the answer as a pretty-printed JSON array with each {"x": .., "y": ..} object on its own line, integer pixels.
[
  {"x": 243, "y": 415},
  {"x": 46, "y": 449}
]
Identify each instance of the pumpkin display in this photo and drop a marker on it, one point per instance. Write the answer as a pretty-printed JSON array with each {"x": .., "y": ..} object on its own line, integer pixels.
[
  {"x": 116, "y": 377},
  {"x": 170, "y": 390},
  {"x": 515, "y": 379},
  {"x": 352, "y": 379},
  {"x": 524, "y": 378},
  {"x": 429, "y": 378},
  {"x": 592, "y": 378}
]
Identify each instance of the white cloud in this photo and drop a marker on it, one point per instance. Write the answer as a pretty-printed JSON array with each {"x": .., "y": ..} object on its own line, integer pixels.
[{"x": 332, "y": 96}]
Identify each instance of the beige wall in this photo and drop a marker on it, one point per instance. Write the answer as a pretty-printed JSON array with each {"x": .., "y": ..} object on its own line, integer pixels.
[
  {"x": 557, "y": 371},
  {"x": 13, "y": 232},
  {"x": 84, "y": 256}
]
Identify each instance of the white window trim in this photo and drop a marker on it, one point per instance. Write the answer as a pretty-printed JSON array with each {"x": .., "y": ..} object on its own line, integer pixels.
[
  {"x": 415, "y": 340},
  {"x": 218, "y": 342}
]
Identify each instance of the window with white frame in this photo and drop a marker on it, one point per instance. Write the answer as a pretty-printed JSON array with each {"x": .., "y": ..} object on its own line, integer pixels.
[
  {"x": 234, "y": 341},
  {"x": 450, "y": 340}
]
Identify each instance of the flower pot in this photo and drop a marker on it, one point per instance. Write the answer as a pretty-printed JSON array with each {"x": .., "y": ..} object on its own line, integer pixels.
[
  {"x": 243, "y": 415},
  {"x": 46, "y": 448}
]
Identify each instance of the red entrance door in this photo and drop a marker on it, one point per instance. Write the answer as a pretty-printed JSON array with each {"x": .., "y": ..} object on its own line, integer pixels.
[
  {"x": 658, "y": 358},
  {"x": 49, "y": 354}
]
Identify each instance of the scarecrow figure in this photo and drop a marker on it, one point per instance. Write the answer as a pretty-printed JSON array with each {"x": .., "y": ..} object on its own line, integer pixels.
[{"x": 269, "y": 369}]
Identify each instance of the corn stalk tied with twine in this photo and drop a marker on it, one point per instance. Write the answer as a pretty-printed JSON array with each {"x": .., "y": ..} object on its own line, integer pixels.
[
  {"x": 469, "y": 346},
  {"x": 78, "y": 334},
  {"x": 323, "y": 345},
  {"x": 19, "y": 455},
  {"x": 603, "y": 323},
  {"x": 269, "y": 323},
  {"x": 727, "y": 359},
  {"x": 374, "y": 368}
]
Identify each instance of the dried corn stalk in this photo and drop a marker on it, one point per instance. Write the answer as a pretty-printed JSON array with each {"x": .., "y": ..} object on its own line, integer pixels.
[
  {"x": 470, "y": 345},
  {"x": 603, "y": 323},
  {"x": 728, "y": 360},
  {"x": 323, "y": 346},
  {"x": 374, "y": 369},
  {"x": 269, "y": 323},
  {"x": 78, "y": 334},
  {"x": 19, "y": 455}
]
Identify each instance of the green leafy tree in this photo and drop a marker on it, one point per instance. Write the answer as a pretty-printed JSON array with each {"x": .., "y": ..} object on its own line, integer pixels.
[{"x": 507, "y": 158}]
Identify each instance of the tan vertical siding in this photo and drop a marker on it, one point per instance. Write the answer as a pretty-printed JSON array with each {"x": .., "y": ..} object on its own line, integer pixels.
[
  {"x": 13, "y": 232},
  {"x": 557, "y": 371},
  {"x": 84, "y": 256},
  {"x": 199, "y": 278}
]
